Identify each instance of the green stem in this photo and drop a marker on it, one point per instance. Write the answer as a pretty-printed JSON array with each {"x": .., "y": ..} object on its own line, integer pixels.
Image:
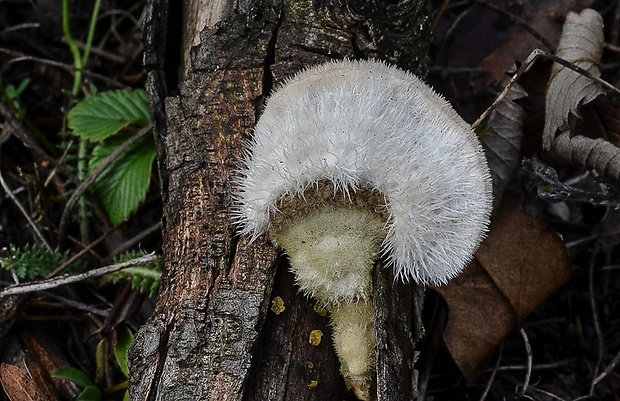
[
  {"x": 116, "y": 388},
  {"x": 80, "y": 61},
  {"x": 77, "y": 57},
  {"x": 91, "y": 32}
]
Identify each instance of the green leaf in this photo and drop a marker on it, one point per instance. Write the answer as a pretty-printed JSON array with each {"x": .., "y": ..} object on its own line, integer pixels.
[
  {"x": 90, "y": 393},
  {"x": 23, "y": 85},
  {"x": 101, "y": 116},
  {"x": 100, "y": 358},
  {"x": 73, "y": 375},
  {"x": 123, "y": 185},
  {"x": 126, "y": 397},
  {"x": 34, "y": 261},
  {"x": 123, "y": 341},
  {"x": 146, "y": 279}
]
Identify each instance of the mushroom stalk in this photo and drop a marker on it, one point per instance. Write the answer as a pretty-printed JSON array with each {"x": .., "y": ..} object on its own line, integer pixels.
[
  {"x": 332, "y": 243},
  {"x": 354, "y": 341}
]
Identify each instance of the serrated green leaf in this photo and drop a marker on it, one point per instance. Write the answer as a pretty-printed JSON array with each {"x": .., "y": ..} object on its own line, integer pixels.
[
  {"x": 73, "y": 375},
  {"x": 146, "y": 279},
  {"x": 123, "y": 341},
  {"x": 33, "y": 261},
  {"x": 123, "y": 185},
  {"x": 101, "y": 116},
  {"x": 90, "y": 393}
]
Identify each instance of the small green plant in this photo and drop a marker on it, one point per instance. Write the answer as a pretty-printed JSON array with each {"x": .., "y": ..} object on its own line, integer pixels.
[
  {"x": 105, "y": 120},
  {"x": 90, "y": 392},
  {"x": 145, "y": 279},
  {"x": 12, "y": 96},
  {"x": 93, "y": 389},
  {"x": 33, "y": 261}
]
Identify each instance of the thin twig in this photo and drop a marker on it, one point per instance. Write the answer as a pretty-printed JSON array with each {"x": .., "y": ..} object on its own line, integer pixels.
[
  {"x": 548, "y": 394},
  {"x": 64, "y": 280},
  {"x": 595, "y": 319},
  {"x": 93, "y": 176},
  {"x": 61, "y": 161},
  {"x": 113, "y": 57},
  {"x": 80, "y": 254},
  {"x": 18, "y": 56},
  {"x": 607, "y": 370},
  {"x": 77, "y": 305},
  {"x": 526, "y": 66},
  {"x": 493, "y": 373},
  {"x": 22, "y": 209},
  {"x": 528, "y": 373},
  {"x": 17, "y": 128},
  {"x": 26, "y": 25},
  {"x": 451, "y": 30},
  {"x": 132, "y": 241},
  {"x": 519, "y": 21},
  {"x": 439, "y": 13},
  {"x": 541, "y": 366},
  {"x": 513, "y": 80},
  {"x": 81, "y": 245},
  {"x": 577, "y": 69}
]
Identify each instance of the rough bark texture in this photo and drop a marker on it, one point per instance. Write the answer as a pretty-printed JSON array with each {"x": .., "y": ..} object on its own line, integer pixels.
[{"x": 212, "y": 336}]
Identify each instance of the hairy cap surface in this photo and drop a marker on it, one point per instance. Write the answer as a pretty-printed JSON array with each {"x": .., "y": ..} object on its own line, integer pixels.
[{"x": 364, "y": 124}]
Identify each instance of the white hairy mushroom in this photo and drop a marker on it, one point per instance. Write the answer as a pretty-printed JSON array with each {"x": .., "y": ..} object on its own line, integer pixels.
[{"x": 352, "y": 159}]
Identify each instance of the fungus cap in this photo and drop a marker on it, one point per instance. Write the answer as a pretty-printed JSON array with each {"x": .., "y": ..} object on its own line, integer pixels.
[{"x": 365, "y": 124}]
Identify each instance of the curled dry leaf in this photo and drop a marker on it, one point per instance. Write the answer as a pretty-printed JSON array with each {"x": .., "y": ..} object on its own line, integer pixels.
[
  {"x": 595, "y": 154},
  {"x": 581, "y": 44},
  {"x": 502, "y": 145},
  {"x": 517, "y": 267}
]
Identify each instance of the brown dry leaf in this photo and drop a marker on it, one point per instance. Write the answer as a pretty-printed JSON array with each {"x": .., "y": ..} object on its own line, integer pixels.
[
  {"x": 18, "y": 386},
  {"x": 581, "y": 44},
  {"x": 43, "y": 357},
  {"x": 517, "y": 267}
]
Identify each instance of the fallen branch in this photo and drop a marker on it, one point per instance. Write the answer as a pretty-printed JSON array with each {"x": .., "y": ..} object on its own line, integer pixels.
[{"x": 64, "y": 280}]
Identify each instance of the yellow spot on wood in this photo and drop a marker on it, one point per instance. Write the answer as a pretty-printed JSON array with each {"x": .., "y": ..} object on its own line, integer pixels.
[
  {"x": 313, "y": 384},
  {"x": 310, "y": 365},
  {"x": 277, "y": 305},
  {"x": 315, "y": 337},
  {"x": 320, "y": 310}
]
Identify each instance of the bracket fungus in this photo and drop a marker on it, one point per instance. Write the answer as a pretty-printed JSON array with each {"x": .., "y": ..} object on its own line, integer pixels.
[{"x": 352, "y": 160}]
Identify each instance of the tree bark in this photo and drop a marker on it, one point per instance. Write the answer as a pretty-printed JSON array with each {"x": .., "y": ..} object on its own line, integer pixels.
[{"x": 212, "y": 335}]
